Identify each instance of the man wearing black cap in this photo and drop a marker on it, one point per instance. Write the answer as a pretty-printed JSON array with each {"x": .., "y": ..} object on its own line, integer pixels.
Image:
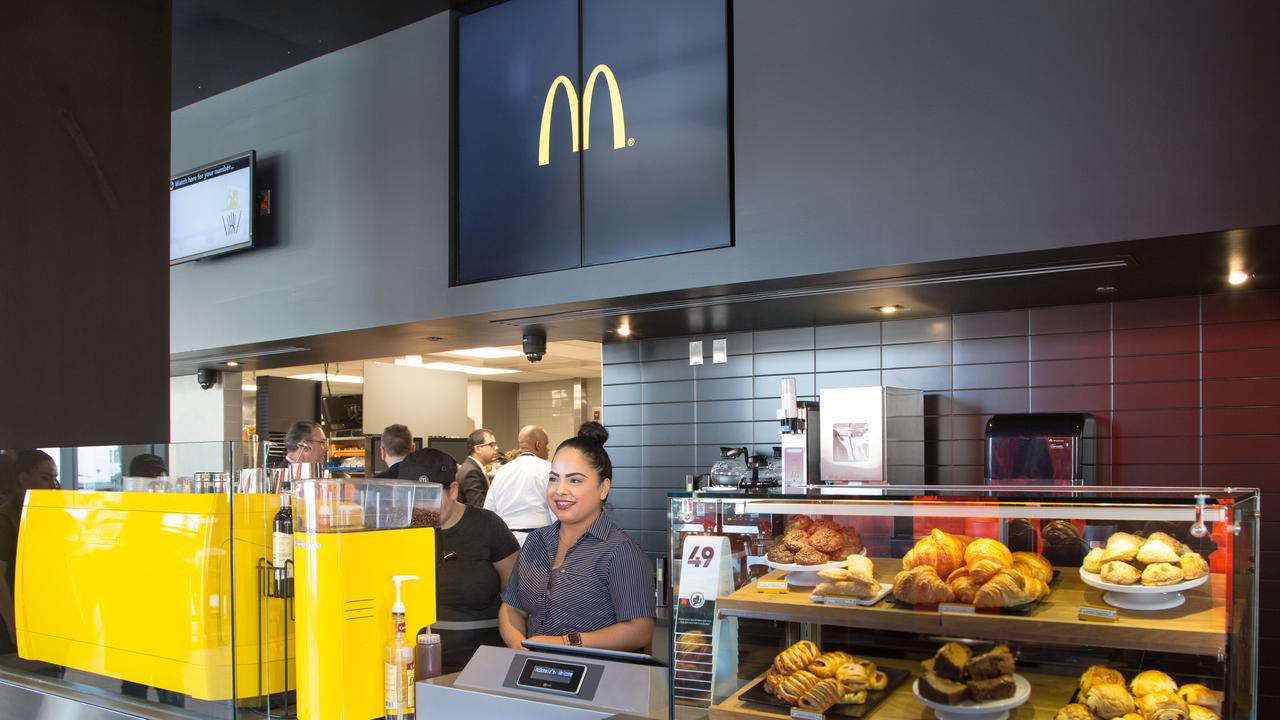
[{"x": 475, "y": 553}]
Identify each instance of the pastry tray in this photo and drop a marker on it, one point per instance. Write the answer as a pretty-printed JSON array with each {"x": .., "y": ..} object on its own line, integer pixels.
[
  {"x": 1023, "y": 609},
  {"x": 885, "y": 589},
  {"x": 896, "y": 676}
]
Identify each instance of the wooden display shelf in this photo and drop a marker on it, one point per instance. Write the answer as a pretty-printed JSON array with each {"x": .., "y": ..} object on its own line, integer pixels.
[
  {"x": 1048, "y": 694},
  {"x": 1199, "y": 627}
]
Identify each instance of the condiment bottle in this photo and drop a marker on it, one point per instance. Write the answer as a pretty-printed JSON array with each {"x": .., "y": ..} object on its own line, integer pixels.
[{"x": 427, "y": 658}]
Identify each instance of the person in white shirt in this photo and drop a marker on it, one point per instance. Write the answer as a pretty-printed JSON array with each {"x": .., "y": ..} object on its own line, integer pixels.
[{"x": 518, "y": 493}]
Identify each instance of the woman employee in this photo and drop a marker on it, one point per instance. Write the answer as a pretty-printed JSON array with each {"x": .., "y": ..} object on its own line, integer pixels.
[
  {"x": 474, "y": 557},
  {"x": 580, "y": 580}
]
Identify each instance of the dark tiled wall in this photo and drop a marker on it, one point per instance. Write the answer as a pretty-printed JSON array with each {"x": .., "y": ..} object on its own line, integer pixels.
[{"x": 1186, "y": 391}]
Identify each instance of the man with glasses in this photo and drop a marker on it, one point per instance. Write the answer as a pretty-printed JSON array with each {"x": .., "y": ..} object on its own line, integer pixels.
[
  {"x": 305, "y": 443},
  {"x": 473, "y": 483}
]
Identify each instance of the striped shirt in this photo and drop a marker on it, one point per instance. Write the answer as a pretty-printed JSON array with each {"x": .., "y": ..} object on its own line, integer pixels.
[{"x": 605, "y": 579}]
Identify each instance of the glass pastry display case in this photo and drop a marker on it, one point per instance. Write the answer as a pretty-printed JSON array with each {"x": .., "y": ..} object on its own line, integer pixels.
[{"x": 946, "y": 601}]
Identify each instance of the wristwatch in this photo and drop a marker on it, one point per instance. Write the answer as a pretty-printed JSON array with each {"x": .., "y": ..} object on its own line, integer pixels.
[{"x": 574, "y": 639}]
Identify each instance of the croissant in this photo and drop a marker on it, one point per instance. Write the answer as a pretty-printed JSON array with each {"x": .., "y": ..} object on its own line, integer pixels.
[
  {"x": 1033, "y": 565},
  {"x": 796, "y": 658},
  {"x": 1197, "y": 694},
  {"x": 1109, "y": 700},
  {"x": 1099, "y": 675},
  {"x": 1162, "y": 573},
  {"x": 1121, "y": 546},
  {"x": 1093, "y": 561},
  {"x": 793, "y": 687},
  {"x": 921, "y": 586},
  {"x": 963, "y": 585},
  {"x": 860, "y": 566},
  {"x": 1036, "y": 588},
  {"x": 942, "y": 551},
  {"x": 1120, "y": 573},
  {"x": 821, "y": 696},
  {"x": 1152, "y": 681},
  {"x": 853, "y": 677},
  {"x": 1158, "y": 549},
  {"x": 826, "y": 664},
  {"x": 1193, "y": 566},
  {"x": 1163, "y": 705},
  {"x": 985, "y": 557},
  {"x": 1006, "y": 589}
]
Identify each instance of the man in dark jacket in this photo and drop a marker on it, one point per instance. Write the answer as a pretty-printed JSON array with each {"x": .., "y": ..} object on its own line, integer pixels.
[
  {"x": 473, "y": 484},
  {"x": 397, "y": 442}
]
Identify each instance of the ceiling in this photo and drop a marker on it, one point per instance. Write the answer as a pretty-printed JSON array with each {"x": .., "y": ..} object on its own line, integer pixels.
[
  {"x": 564, "y": 359},
  {"x": 222, "y": 44}
]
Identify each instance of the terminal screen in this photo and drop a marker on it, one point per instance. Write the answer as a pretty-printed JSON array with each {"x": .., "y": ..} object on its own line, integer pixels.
[{"x": 549, "y": 675}]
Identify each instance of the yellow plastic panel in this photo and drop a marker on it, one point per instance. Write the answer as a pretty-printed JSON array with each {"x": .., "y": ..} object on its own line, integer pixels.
[
  {"x": 138, "y": 586},
  {"x": 344, "y": 596}
]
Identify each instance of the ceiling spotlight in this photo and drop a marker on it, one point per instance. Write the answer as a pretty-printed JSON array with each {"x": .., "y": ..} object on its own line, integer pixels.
[
  {"x": 1106, "y": 289},
  {"x": 232, "y": 363},
  {"x": 1238, "y": 278},
  {"x": 888, "y": 309},
  {"x": 624, "y": 330}
]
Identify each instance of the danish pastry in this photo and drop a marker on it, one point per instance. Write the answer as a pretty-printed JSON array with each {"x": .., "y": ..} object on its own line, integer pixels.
[
  {"x": 1151, "y": 681},
  {"x": 821, "y": 696},
  {"x": 1199, "y": 712},
  {"x": 794, "y": 686},
  {"x": 1074, "y": 711},
  {"x": 796, "y": 658},
  {"x": 1197, "y": 694},
  {"x": 853, "y": 677},
  {"x": 1109, "y": 700},
  {"x": 1163, "y": 705},
  {"x": 1099, "y": 675},
  {"x": 826, "y": 664}
]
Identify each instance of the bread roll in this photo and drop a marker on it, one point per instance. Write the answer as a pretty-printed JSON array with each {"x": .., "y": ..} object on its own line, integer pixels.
[
  {"x": 1158, "y": 549},
  {"x": 796, "y": 658},
  {"x": 1162, "y": 573},
  {"x": 1197, "y": 694},
  {"x": 1120, "y": 573},
  {"x": 1150, "y": 681},
  {"x": 1122, "y": 547},
  {"x": 1109, "y": 700},
  {"x": 1193, "y": 566},
  {"x": 1033, "y": 565},
  {"x": 921, "y": 586},
  {"x": 1098, "y": 675},
  {"x": 985, "y": 557},
  {"x": 1163, "y": 705},
  {"x": 1093, "y": 561}
]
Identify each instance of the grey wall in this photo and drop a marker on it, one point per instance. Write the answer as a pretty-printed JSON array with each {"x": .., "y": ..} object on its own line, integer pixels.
[
  {"x": 867, "y": 134},
  {"x": 83, "y": 275},
  {"x": 499, "y": 408}
]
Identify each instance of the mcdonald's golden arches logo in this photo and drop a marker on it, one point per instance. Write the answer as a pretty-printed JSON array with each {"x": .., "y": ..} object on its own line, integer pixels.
[{"x": 620, "y": 139}]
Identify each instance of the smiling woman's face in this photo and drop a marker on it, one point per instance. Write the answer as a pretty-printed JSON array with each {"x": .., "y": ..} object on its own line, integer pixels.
[{"x": 574, "y": 489}]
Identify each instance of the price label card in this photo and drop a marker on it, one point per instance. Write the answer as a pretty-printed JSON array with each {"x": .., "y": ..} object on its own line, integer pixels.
[
  {"x": 798, "y": 714},
  {"x": 772, "y": 586},
  {"x": 956, "y": 608},
  {"x": 1097, "y": 614}
]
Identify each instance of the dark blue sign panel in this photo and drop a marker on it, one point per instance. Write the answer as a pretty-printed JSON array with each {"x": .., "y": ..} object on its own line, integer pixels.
[{"x": 571, "y": 154}]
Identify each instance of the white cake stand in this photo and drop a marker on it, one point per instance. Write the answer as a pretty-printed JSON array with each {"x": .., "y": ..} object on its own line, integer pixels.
[
  {"x": 1142, "y": 597},
  {"x": 805, "y": 575},
  {"x": 970, "y": 710}
]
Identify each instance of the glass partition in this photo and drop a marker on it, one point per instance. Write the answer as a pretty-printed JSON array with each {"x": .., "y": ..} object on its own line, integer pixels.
[
  {"x": 142, "y": 577},
  {"x": 1133, "y": 579}
]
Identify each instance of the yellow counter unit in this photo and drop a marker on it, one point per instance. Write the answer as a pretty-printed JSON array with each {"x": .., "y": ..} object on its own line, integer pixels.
[
  {"x": 344, "y": 594},
  {"x": 154, "y": 588}
]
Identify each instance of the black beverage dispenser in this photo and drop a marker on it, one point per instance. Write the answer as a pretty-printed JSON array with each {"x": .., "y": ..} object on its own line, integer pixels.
[{"x": 1041, "y": 449}]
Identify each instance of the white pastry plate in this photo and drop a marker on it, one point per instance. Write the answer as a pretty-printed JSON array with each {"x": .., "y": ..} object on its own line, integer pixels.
[
  {"x": 885, "y": 589},
  {"x": 807, "y": 575},
  {"x": 970, "y": 710},
  {"x": 1141, "y": 597}
]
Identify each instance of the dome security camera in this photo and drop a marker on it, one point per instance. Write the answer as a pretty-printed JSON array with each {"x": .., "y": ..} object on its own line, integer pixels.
[
  {"x": 535, "y": 345},
  {"x": 207, "y": 377}
]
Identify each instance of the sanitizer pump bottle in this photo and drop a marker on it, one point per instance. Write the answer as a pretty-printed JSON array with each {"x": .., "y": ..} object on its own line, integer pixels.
[{"x": 397, "y": 664}]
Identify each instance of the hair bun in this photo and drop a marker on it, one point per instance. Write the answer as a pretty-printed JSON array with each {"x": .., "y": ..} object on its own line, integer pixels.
[{"x": 593, "y": 432}]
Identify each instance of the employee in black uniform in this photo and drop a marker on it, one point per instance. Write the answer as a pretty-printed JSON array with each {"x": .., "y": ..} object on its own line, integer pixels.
[
  {"x": 474, "y": 555},
  {"x": 580, "y": 580}
]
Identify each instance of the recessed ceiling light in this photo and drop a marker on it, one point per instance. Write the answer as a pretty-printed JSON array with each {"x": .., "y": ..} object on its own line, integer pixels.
[
  {"x": 232, "y": 363},
  {"x": 470, "y": 370},
  {"x": 486, "y": 353},
  {"x": 249, "y": 387},
  {"x": 1105, "y": 289},
  {"x": 624, "y": 330},
  {"x": 413, "y": 360},
  {"x": 353, "y": 379},
  {"x": 1238, "y": 278},
  {"x": 888, "y": 309}
]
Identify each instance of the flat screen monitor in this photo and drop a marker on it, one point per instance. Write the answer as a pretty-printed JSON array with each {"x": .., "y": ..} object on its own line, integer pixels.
[{"x": 211, "y": 209}]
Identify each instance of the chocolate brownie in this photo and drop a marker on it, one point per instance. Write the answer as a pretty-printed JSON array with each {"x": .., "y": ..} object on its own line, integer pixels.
[
  {"x": 941, "y": 690},
  {"x": 996, "y": 662},
  {"x": 996, "y": 688}
]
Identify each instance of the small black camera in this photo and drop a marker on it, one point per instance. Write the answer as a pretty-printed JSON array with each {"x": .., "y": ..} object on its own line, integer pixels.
[
  {"x": 535, "y": 345},
  {"x": 207, "y": 377}
]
